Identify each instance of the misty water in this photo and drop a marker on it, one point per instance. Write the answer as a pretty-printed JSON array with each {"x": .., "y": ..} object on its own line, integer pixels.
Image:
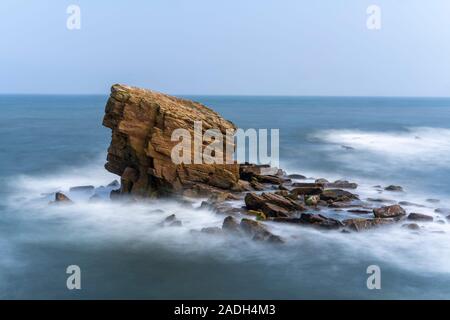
[{"x": 52, "y": 143}]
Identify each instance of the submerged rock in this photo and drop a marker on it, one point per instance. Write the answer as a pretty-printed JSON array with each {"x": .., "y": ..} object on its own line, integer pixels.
[
  {"x": 394, "y": 188},
  {"x": 258, "y": 231},
  {"x": 230, "y": 224},
  {"x": 419, "y": 217},
  {"x": 442, "y": 210},
  {"x": 360, "y": 224},
  {"x": 212, "y": 230},
  {"x": 394, "y": 211},
  {"x": 62, "y": 198},
  {"x": 411, "y": 226}
]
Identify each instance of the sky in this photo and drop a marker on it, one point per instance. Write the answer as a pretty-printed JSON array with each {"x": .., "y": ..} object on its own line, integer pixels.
[{"x": 232, "y": 47}]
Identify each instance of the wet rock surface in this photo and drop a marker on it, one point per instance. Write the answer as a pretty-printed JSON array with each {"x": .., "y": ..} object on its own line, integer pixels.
[
  {"x": 142, "y": 123},
  {"x": 394, "y": 211}
]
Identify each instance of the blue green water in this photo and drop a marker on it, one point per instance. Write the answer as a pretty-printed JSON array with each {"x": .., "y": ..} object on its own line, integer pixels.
[{"x": 51, "y": 143}]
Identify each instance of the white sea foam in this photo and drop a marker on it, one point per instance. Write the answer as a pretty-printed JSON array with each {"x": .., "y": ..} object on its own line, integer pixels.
[
  {"x": 138, "y": 225},
  {"x": 420, "y": 148}
]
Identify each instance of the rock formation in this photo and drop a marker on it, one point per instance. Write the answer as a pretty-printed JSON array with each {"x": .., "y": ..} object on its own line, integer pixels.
[{"x": 142, "y": 123}]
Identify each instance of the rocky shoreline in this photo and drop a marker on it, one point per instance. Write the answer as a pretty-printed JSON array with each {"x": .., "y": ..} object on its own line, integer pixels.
[{"x": 248, "y": 195}]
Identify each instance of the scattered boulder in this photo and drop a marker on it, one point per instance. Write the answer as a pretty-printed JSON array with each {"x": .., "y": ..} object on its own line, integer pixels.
[
  {"x": 321, "y": 221},
  {"x": 360, "y": 224},
  {"x": 411, "y": 226},
  {"x": 62, "y": 198},
  {"x": 442, "y": 210},
  {"x": 270, "y": 179},
  {"x": 230, "y": 225},
  {"x": 296, "y": 176},
  {"x": 249, "y": 171},
  {"x": 170, "y": 218},
  {"x": 273, "y": 205},
  {"x": 272, "y": 210},
  {"x": 338, "y": 195},
  {"x": 222, "y": 196},
  {"x": 419, "y": 217},
  {"x": 307, "y": 188},
  {"x": 258, "y": 231},
  {"x": 394, "y": 211},
  {"x": 341, "y": 184},
  {"x": 359, "y": 211},
  {"x": 322, "y": 181},
  {"x": 256, "y": 185},
  {"x": 394, "y": 188},
  {"x": 433, "y": 200}
]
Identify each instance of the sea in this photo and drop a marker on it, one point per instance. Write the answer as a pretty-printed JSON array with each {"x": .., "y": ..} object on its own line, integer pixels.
[{"x": 50, "y": 143}]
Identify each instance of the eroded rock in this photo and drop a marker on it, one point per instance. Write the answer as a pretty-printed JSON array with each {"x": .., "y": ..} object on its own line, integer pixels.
[
  {"x": 394, "y": 211},
  {"x": 360, "y": 224},
  {"x": 142, "y": 123}
]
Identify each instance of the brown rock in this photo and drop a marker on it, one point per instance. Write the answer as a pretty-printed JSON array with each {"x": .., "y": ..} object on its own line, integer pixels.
[
  {"x": 341, "y": 184},
  {"x": 273, "y": 205},
  {"x": 61, "y": 197},
  {"x": 337, "y": 195},
  {"x": 258, "y": 231},
  {"x": 142, "y": 123},
  {"x": 320, "y": 221},
  {"x": 307, "y": 190},
  {"x": 361, "y": 224},
  {"x": 394, "y": 211},
  {"x": 230, "y": 224}
]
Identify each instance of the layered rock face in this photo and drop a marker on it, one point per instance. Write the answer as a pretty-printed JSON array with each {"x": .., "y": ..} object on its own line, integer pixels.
[{"x": 142, "y": 123}]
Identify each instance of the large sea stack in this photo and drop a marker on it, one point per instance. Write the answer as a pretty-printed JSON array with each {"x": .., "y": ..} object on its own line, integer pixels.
[{"x": 142, "y": 122}]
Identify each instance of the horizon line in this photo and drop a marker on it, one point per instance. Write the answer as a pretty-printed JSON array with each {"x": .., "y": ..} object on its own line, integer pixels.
[{"x": 235, "y": 95}]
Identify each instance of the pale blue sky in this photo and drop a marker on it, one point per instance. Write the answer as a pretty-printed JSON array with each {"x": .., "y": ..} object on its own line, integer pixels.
[{"x": 260, "y": 47}]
